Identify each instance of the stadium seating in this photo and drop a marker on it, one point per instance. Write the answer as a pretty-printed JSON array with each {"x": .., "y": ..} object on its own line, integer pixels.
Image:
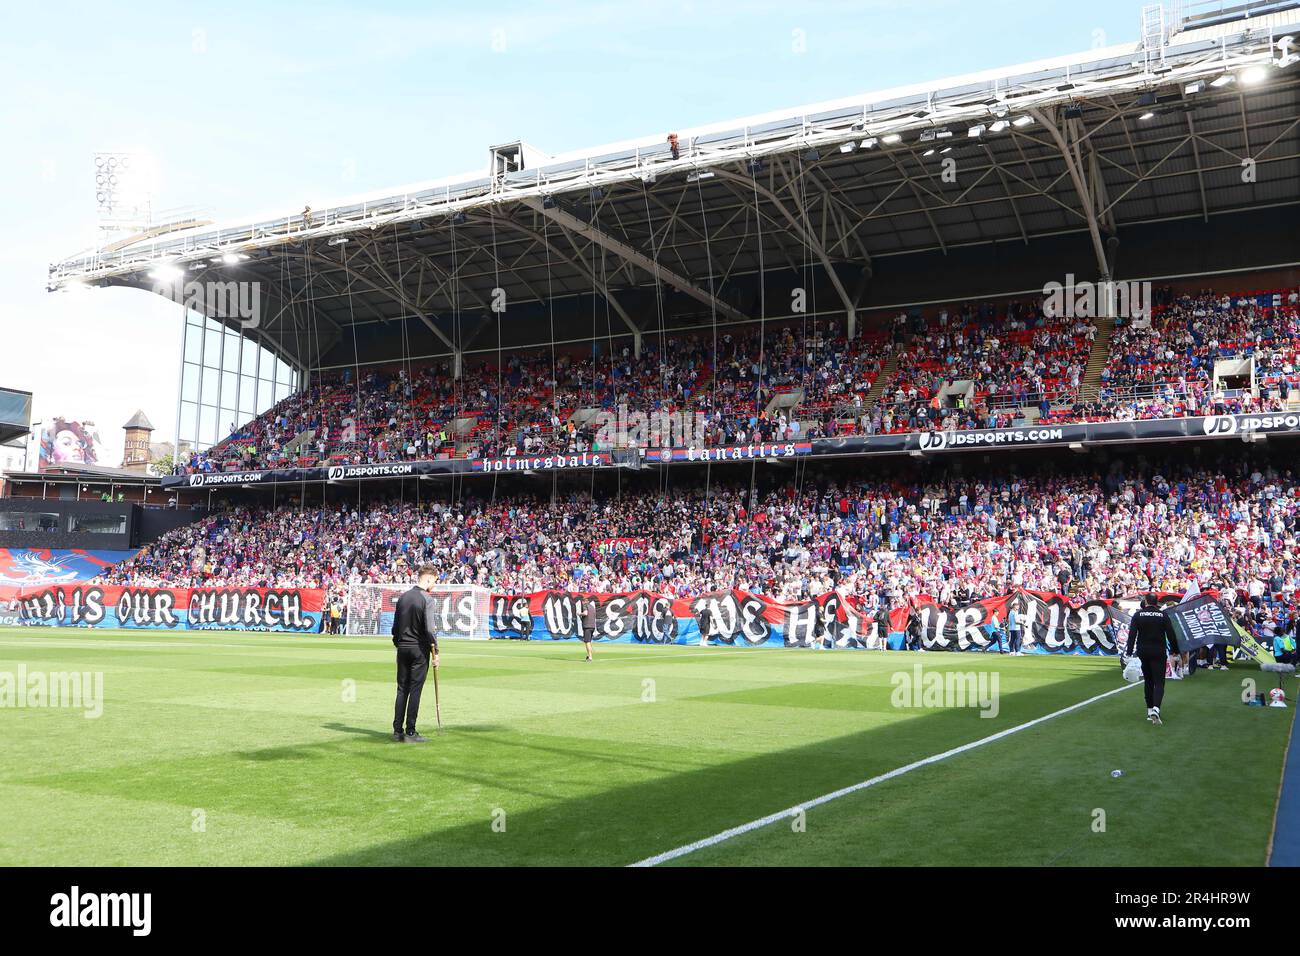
[
  {"x": 969, "y": 366},
  {"x": 1150, "y": 526}
]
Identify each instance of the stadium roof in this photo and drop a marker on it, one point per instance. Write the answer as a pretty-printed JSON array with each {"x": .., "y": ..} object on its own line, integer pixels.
[{"x": 1197, "y": 119}]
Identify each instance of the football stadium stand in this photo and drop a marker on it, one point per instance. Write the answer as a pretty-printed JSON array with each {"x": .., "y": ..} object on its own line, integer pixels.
[
  {"x": 880, "y": 275},
  {"x": 984, "y": 365}
]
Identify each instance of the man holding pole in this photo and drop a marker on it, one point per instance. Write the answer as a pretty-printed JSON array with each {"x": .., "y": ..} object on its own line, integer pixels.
[
  {"x": 415, "y": 635},
  {"x": 587, "y": 625}
]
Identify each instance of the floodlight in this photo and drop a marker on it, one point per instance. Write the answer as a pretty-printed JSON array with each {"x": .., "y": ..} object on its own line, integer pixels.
[{"x": 166, "y": 272}]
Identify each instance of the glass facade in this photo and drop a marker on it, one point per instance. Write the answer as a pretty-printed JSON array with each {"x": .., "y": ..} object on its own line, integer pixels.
[
  {"x": 97, "y": 524},
  {"x": 15, "y": 407},
  {"x": 29, "y": 521},
  {"x": 227, "y": 380}
]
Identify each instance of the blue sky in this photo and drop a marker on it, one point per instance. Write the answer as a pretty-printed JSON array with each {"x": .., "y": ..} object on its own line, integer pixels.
[{"x": 263, "y": 107}]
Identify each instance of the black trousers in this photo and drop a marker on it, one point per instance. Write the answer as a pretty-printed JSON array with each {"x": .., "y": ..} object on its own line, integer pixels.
[
  {"x": 1153, "y": 679},
  {"x": 412, "y": 669}
]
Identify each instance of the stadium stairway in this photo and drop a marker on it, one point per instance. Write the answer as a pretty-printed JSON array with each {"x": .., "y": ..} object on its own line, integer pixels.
[
  {"x": 1099, "y": 355},
  {"x": 784, "y": 402},
  {"x": 886, "y": 376},
  {"x": 295, "y": 445}
]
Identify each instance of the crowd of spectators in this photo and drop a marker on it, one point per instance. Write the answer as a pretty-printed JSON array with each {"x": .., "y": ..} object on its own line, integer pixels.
[
  {"x": 1135, "y": 527},
  {"x": 1164, "y": 366},
  {"x": 525, "y": 403},
  {"x": 998, "y": 362},
  {"x": 1012, "y": 356},
  {"x": 1187, "y": 334}
]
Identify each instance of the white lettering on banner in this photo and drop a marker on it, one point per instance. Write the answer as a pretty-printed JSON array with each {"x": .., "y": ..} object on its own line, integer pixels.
[
  {"x": 337, "y": 472},
  {"x": 968, "y": 631},
  {"x": 1092, "y": 618},
  {"x": 249, "y": 609},
  {"x": 940, "y": 621},
  {"x": 455, "y": 612},
  {"x": 742, "y": 452},
  {"x": 1046, "y": 622},
  {"x": 730, "y": 618},
  {"x": 801, "y": 624},
  {"x": 536, "y": 463},
  {"x": 560, "y": 612},
  {"x": 147, "y": 607},
  {"x": 511, "y": 615},
  {"x": 1009, "y": 436},
  {"x": 204, "y": 479}
]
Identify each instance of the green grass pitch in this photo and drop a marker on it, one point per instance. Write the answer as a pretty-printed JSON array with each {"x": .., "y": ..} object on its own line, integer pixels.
[{"x": 228, "y": 748}]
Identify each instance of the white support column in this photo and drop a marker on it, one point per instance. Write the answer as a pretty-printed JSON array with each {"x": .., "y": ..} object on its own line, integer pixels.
[{"x": 1087, "y": 206}]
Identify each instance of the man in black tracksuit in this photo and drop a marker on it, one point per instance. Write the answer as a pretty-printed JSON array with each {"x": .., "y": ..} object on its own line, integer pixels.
[
  {"x": 1151, "y": 637},
  {"x": 415, "y": 635}
]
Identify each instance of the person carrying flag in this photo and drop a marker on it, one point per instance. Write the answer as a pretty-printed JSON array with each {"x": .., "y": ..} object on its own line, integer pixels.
[{"x": 1151, "y": 637}]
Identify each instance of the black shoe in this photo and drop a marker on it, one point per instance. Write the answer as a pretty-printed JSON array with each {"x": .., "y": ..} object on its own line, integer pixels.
[
  {"x": 414, "y": 739},
  {"x": 398, "y": 735}
]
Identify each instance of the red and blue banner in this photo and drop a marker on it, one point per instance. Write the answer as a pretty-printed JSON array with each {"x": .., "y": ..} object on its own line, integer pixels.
[
  {"x": 295, "y": 610},
  {"x": 1046, "y": 622}
]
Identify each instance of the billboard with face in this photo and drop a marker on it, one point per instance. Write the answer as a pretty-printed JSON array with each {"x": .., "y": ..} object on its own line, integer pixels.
[{"x": 66, "y": 442}]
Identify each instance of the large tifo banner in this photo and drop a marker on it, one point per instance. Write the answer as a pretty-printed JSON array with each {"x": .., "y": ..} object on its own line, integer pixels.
[
  {"x": 1047, "y": 622},
  {"x": 224, "y": 609}
]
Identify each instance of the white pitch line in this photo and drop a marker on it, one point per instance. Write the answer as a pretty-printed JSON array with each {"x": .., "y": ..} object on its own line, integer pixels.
[
  {"x": 108, "y": 644},
  {"x": 845, "y": 791}
]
